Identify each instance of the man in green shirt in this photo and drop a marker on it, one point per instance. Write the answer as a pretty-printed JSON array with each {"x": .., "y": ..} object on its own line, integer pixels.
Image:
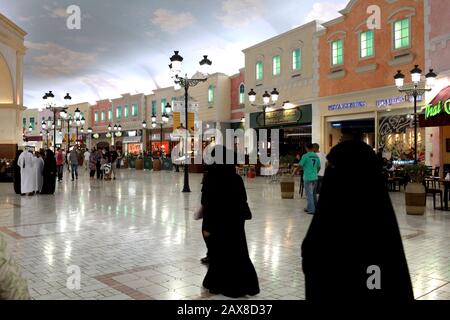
[{"x": 310, "y": 163}]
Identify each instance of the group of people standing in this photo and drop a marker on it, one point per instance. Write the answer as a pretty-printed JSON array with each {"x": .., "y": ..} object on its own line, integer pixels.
[
  {"x": 34, "y": 172},
  {"x": 102, "y": 163},
  {"x": 354, "y": 231}
]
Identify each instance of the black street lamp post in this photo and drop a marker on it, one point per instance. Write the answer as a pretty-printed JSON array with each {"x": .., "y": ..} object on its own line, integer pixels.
[
  {"x": 49, "y": 96},
  {"x": 416, "y": 89},
  {"x": 266, "y": 101},
  {"x": 185, "y": 82}
]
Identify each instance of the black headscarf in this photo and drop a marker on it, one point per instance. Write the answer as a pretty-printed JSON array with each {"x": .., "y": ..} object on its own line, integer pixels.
[
  {"x": 354, "y": 227},
  {"x": 17, "y": 177}
]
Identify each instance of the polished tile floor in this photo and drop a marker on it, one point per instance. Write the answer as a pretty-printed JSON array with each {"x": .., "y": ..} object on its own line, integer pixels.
[{"x": 134, "y": 238}]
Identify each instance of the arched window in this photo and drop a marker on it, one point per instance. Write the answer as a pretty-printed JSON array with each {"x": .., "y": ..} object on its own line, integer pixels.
[
  {"x": 241, "y": 94},
  {"x": 211, "y": 94}
]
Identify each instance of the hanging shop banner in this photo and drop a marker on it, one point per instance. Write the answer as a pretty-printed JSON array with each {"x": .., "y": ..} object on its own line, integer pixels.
[
  {"x": 191, "y": 121},
  {"x": 176, "y": 120},
  {"x": 437, "y": 113},
  {"x": 348, "y": 105}
]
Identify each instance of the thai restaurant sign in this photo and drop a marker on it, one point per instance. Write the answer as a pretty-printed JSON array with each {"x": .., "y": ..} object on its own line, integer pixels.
[{"x": 437, "y": 112}]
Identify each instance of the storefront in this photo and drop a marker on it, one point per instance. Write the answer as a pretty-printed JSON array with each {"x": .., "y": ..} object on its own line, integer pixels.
[
  {"x": 294, "y": 125},
  {"x": 156, "y": 144},
  {"x": 436, "y": 116},
  {"x": 132, "y": 142},
  {"x": 383, "y": 118}
]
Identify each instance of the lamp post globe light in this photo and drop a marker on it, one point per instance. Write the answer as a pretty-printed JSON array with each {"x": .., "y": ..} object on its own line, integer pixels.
[
  {"x": 176, "y": 62},
  {"x": 416, "y": 89},
  {"x": 269, "y": 100}
]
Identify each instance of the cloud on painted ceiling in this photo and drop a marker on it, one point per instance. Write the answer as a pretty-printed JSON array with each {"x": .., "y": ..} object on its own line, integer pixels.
[
  {"x": 171, "y": 21},
  {"x": 239, "y": 13},
  {"x": 325, "y": 10},
  {"x": 52, "y": 60}
]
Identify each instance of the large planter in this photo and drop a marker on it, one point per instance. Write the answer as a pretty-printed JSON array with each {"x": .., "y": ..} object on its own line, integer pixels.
[
  {"x": 167, "y": 164},
  {"x": 415, "y": 199},
  {"x": 287, "y": 184},
  {"x": 156, "y": 165},
  {"x": 139, "y": 164},
  {"x": 132, "y": 163},
  {"x": 148, "y": 165}
]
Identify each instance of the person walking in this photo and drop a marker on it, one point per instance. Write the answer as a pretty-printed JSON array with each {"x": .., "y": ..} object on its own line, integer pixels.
[
  {"x": 230, "y": 272},
  {"x": 39, "y": 171},
  {"x": 92, "y": 163},
  {"x": 60, "y": 164},
  {"x": 86, "y": 156},
  {"x": 27, "y": 173},
  {"x": 73, "y": 160},
  {"x": 49, "y": 173},
  {"x": 353, "y": 249},
  {"x": 310, "y": 163},
  {"x": 113, "y": 157},
  {"x": 323, "y": 165},
  {"x": 98, "y": 165}
]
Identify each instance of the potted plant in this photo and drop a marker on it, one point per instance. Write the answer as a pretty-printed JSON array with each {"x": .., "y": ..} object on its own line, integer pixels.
[
  {"x": 415, "y": 192},
  {"x": 131, "y": 161},
  {"x": 139, "y": 163}
]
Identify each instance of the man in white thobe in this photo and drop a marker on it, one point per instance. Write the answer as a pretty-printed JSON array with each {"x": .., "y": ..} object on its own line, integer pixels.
[
  {"x": 27, "y": 172},
  {"x": 39, "y": 168}
]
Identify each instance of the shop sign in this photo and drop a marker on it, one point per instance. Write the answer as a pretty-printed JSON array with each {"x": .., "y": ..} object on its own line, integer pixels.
[
  {"x": 396, "y": 100},
  {"x": 281, "y": 117},
  {"x": 349, "y": 105},
  {"x": 434, "y": 110}
]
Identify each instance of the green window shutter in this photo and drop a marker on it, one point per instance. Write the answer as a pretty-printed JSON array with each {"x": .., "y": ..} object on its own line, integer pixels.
[
  {"x": 119, "y": 112},
  {"x": 276, "y": 65},
  {"x": 24, "y": 122},
  {"x": 153, "y": 107},
  {"x": 32, "y": 123},
  {"x": 211, "y": 94},
  {"x": 126, "y": 111},
  {"x": 401, "y": 34},
  {"x": 96, "y": 117},
  {"x": 366, "y": 44},
  {"x": 134, "y": 110},
  {"x": 241, "y": 94},
  {"x": 337, "y": 52},
  {"x": 259, "y": 70},
  {"x": 103, "y": 116},
  {"x": 296, "y": 59},
  {"x": 163, "y": 105},
  {"x": 110, "y": 115}
]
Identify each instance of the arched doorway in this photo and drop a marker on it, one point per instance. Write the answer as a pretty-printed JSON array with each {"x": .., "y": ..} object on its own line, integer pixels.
[{"x": 6, "y": 89}]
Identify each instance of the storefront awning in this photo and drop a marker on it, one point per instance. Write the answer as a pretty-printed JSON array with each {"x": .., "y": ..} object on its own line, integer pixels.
[
  {"x": 437, "y": 112},
  {"x": 137, "y": 139}
]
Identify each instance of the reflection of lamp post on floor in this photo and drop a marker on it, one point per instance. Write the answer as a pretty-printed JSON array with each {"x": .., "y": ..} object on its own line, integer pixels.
[
  {"x": 417, "y": 89},
  {"x": 186, "y": 83},
  {"x": 266, "y": 101}
]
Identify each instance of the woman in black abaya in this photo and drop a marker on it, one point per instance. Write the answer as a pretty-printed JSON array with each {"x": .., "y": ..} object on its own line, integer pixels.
[
  {"x": 225, "y": 210},
  {"x": 354, "y": 232},
  {"x": 16, "y": 168},
  {"x": 49, "y": 173}
]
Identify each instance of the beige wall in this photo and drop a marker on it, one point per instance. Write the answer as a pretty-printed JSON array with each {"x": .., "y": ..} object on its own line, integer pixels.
[
  {"x": 85, "y": 108},
  {"x": 294, "y": 89},
  {"x": 220, "y": 109},
  {"x": 12, "y": 50}
]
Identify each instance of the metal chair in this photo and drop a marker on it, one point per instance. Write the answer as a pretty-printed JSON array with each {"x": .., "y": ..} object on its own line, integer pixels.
[{"x": 433, "y": 187}]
